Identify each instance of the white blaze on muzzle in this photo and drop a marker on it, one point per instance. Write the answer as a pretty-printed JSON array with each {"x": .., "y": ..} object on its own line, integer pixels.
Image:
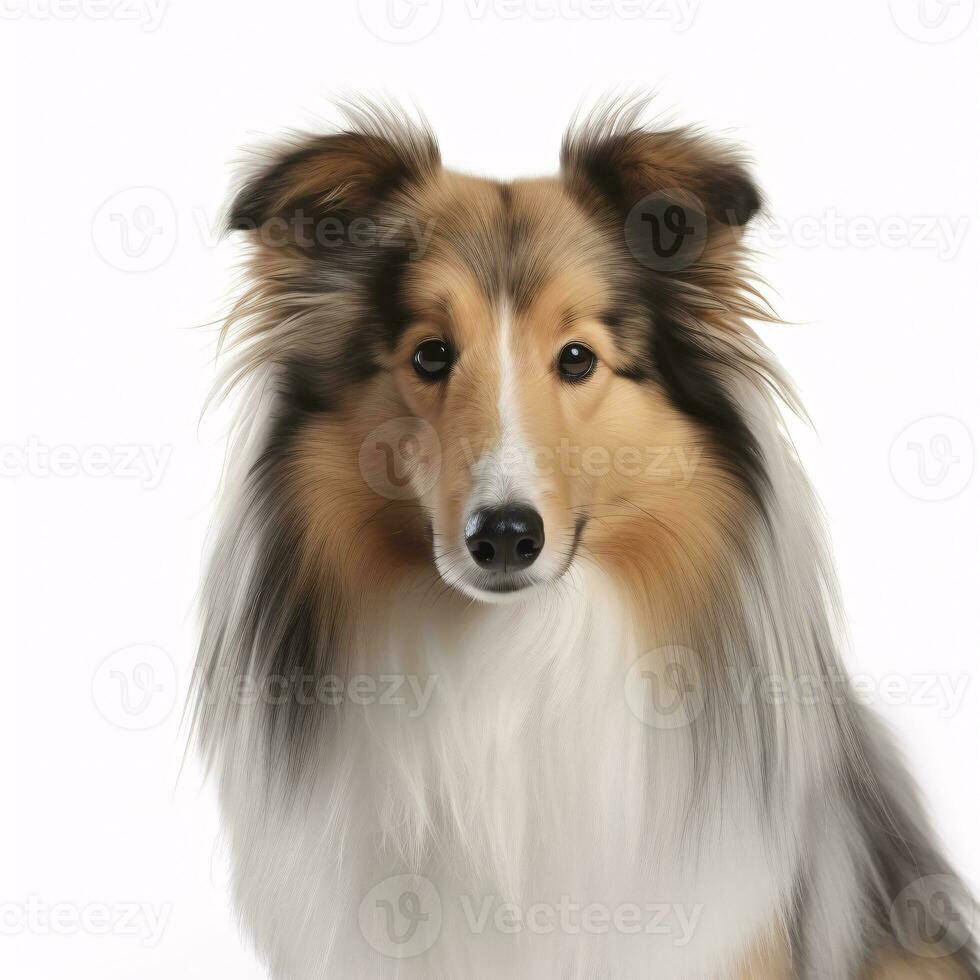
[{"x": 505, "y": 473}]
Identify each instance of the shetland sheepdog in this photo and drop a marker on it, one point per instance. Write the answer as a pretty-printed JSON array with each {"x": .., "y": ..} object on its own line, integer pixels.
[{"x": 520, "y": 638}]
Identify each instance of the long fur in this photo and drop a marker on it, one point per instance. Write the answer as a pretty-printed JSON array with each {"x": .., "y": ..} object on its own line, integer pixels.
[{"x": 787, "y": 825}]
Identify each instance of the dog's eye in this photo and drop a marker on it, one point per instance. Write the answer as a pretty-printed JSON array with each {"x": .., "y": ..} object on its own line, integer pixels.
[
  {"x": 576, "y": 362},
  {"x": 433, "y": 359}
]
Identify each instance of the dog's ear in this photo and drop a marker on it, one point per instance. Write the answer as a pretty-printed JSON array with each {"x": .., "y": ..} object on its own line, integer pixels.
[
  {"x": 621, "y": 168},
  {"x": 344, "y": 174}
]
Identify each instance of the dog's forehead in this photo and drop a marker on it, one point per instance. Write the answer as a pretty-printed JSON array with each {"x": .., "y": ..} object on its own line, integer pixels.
[{"x": 526, "y": 243}]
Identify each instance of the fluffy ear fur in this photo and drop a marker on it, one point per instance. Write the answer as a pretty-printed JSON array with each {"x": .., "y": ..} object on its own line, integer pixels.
[
  {"x": 313, "y": 180},
  {"x": 673, "y": 202},
  {"x": 613, "y": 160}
]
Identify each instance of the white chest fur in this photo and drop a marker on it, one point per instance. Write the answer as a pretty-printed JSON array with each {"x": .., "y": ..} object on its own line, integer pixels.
[{"x": 496, "y": 803}]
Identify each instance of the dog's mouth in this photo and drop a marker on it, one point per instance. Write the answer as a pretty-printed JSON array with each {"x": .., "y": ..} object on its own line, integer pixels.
[{"x": 498, "y": 588}]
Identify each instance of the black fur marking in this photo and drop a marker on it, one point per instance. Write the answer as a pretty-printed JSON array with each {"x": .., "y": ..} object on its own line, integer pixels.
[
  {"x": 634, "y": 372},
  {"x": 309, "y": 386},
  {"x": 255, "y": 202},
  {"x": 600, "y": 165},
  {"x": 302, "y": 387},
  {"x": 613, "y": 320},
  {"x": 732, "y": 197},
  {"x": 293, "y": 633},
  {"x": 689, "y": 373},
  {"x": 385, "y": 291},
  {"x": 729, "y": 193}
]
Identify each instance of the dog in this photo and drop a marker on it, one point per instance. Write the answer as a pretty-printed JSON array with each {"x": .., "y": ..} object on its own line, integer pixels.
[{"x": 514, "y": 548}]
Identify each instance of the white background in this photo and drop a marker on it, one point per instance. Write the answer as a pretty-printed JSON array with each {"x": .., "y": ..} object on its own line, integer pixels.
[{"x": 863, "y": 122}]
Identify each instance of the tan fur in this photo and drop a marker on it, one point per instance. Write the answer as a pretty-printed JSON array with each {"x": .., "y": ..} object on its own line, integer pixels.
[
  {"x": 769, "y": 961},
  {"x": 617, "y": 462},
  {"x": 616, "y": 450},
  {"x": 641, "y": 470},
  {"x": 911, "y": 967}
]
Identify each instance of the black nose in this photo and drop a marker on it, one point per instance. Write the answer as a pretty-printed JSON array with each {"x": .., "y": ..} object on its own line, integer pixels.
[{"x": 505, "y": 539}]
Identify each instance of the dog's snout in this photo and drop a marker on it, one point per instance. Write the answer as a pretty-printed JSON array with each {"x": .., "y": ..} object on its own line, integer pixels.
[{"x": 505, "y": 539}]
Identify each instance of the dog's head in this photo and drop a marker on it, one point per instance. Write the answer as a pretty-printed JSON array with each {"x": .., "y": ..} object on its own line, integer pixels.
[{"x": 499, "y": 379}]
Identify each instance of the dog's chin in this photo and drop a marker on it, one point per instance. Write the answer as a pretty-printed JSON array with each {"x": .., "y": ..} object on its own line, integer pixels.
[
  {"x": 491, "y": 587},
  {"x": 485, "y": 589}
]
